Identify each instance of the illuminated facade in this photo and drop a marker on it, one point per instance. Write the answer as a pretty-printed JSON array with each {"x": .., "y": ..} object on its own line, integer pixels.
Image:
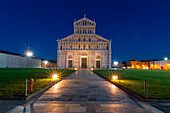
[
  {"x": 135, "y": 64},
  {"x": 160, "y": 65},
  {"x": 84, "y": 48},
  {"x": 149, "y": 64}
]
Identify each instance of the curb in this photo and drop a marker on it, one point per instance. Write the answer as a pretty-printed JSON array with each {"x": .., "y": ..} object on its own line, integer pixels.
[
  {"x": 150, "y": 108},
  {"x": 31, "y": 95},
  {"x": 135, "y": 95},
  {"x": 41, "y": 90},
  {"x": 18, "y": 109}
]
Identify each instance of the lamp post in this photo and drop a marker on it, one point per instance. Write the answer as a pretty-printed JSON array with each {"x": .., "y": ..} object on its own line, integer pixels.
[
  {"x": 46, "y": 62},
  {"x": 115, "y": 63},
  {"x": 29, "y": 53},
  {"x": 166, "y": 58}
]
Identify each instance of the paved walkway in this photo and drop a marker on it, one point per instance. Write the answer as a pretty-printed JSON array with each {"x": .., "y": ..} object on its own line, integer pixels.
[{"x": 84, "y": 91}]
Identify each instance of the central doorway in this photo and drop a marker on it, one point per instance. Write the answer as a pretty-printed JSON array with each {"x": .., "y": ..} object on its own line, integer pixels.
[
  {"x": 98, "y": 64},
  {"x": 70, "y": 63},
  {"x": 84, "y": 62}
]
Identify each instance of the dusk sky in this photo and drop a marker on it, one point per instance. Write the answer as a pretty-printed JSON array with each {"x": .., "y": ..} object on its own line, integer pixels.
[{"x": 139, "y": 29}]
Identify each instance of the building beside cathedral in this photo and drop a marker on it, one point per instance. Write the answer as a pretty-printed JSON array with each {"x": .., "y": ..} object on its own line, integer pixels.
[{"x": 84, "y": 48}]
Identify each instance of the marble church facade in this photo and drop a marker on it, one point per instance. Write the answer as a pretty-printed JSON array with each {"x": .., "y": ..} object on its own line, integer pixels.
[{"x": 84, "y": 48}]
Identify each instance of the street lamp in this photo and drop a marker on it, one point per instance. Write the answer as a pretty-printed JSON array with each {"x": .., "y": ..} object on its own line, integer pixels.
[
  {"x": 115, "y": 63},
  {"x": 55, "y": 76},
  {"x": 114, "y": 77},
  {"x": 46, "y": 62},
  {"x": 166, "y": 58},
  {"x": 29, "y": 53}
]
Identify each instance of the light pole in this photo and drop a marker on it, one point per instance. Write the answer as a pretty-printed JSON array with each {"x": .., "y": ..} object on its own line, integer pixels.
[
  {"x": 115, "y": 63},
  {"x": 29, "y": 53},
  {"x": 46, "y": 62},
  {"x": 166, "y": 58}
]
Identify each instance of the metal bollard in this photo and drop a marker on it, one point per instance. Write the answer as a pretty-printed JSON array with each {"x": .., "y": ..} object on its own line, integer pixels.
[{"x": 145, "y": 89}]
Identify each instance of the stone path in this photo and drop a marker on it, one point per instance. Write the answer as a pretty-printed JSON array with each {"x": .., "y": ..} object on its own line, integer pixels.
[{"x": 84, "y": 91}]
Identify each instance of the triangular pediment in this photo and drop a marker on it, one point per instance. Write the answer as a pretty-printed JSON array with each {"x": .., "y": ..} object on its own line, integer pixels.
[{"x": 84, "y": 21}]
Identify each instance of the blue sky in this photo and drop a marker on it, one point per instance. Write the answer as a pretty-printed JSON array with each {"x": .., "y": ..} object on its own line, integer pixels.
[{"x": 139, "y": 29}]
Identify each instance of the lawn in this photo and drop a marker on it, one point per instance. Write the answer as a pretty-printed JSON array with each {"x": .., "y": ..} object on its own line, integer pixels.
[
  {"x": 158, "y": 81},
  {"x": 12, "y": 81}
]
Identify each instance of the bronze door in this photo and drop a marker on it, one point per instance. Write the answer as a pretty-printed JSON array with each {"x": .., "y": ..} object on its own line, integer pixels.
[
  {"x": 70, "y": 63},
  {"x": 84, "y": 62},
  {"x": 97, "y": 64}
]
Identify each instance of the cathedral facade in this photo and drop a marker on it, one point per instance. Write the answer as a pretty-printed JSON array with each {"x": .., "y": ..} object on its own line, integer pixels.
[{"x": 84, "y": 48}]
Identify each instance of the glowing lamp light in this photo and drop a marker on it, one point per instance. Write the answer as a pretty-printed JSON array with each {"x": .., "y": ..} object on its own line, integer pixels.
[
  {"x": 55, "y": 76},
  {"x": 114, "y": 77},
  {"x": 91, "y": 69},
  {"x": 166, "y": 58},
  {"x": 46, "y": 62},
  {"x": 75, "y": 68},
  {"x": 115, "y": 63},
  {"x": 29, "y": 54}
]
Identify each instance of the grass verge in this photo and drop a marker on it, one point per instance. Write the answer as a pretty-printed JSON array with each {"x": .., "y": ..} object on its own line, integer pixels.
[
  {"x": 12, "y": 81},
  {"x": 158, "y": 81}
]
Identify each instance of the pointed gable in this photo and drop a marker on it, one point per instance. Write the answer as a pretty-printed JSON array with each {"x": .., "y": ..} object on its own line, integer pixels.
[{"x": 84, "y": 21}]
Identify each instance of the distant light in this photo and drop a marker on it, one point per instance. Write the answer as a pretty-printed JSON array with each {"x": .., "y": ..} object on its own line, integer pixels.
[
  {"x": 115, "y": 63},
  {"x": 91, "y": 69},
  {"x": 29, "y": 54},
  {"x": 46, "y": 62},
  {"x": 145, "y": 68},
  {"x": 114, "y": 77},
  {"x": 124, "y": 67},
  {"x": 55, "y": 76},
  {"x": 75, "y": 68},
  {"x": 166, "y": 58}
]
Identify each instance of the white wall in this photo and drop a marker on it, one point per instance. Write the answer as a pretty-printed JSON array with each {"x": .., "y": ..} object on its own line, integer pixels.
[
  {"x": 14, "y": 61},
  {"x": 2, "y": 60}
]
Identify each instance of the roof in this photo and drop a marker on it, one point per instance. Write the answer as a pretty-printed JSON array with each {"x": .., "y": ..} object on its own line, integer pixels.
[
  {"x": 11, "y": 53},
  {"x": 133, "y": 60}
]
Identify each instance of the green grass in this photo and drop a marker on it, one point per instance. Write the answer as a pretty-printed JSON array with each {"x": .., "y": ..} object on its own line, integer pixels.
[
  {"x": 12, "y": 81},
  {"x": 158, "y": 81}
]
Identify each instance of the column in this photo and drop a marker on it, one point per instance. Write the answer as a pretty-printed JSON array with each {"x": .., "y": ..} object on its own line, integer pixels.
[
  {"x": 77, "y": 45},
  {"x": 110, "y": 54},
  {"x": 94, "y": 60},
  {"x": 58, "y": 44},
  {"x": 66, "y": 60},
  {"x": 73, "y": 59},
  {"x": 79, "y": 60},
  {"x": 58, "y": 60}
]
